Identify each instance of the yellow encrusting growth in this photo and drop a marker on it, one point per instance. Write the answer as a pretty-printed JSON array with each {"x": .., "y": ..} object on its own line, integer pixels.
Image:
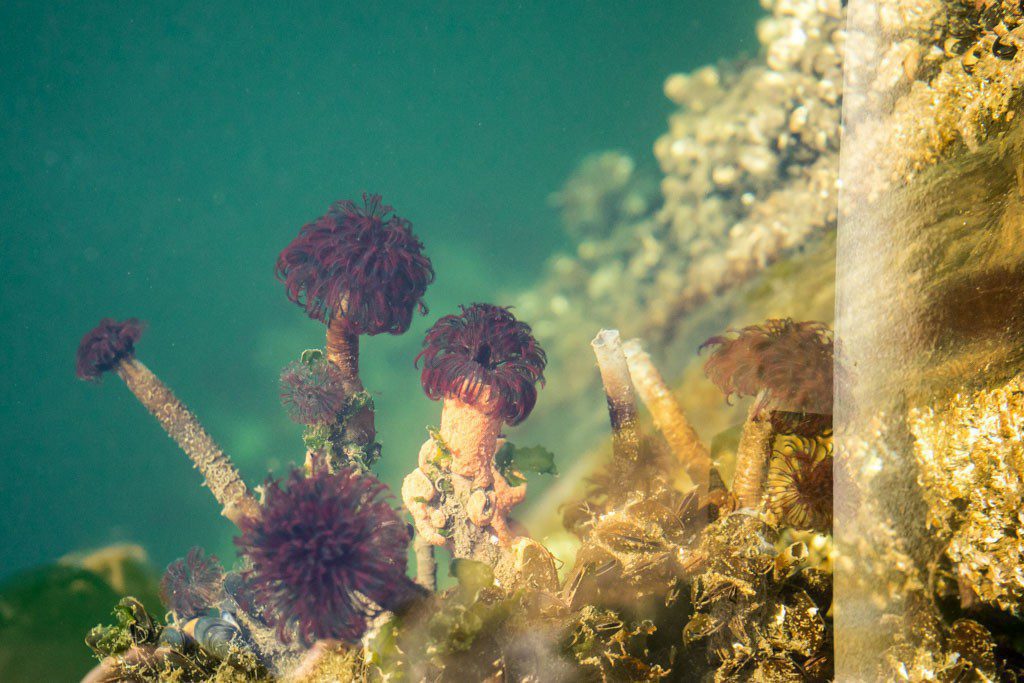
[{"x": 668, "y": 415}]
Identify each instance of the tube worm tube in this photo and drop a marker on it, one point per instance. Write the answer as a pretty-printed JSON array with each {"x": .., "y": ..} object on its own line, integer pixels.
[
  {"x": 618, "y": 390},
  {"x": 219, "y": 473},
  {"x": 668, "y": 415},
  {"x": 426, "y": 563},
  {"x": 110, "y": 346},
  {"x": 752, "y": 456}
]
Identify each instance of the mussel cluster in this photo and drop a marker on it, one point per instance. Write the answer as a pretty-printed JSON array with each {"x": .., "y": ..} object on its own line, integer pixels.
[
  {"x": 669, "y": 583},
  {"x": 187, "y": 648},
  {"x": 984, "y": 25}
]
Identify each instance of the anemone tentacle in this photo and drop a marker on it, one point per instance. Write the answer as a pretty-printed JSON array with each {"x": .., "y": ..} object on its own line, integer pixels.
[{"x": 484, "y": 351}]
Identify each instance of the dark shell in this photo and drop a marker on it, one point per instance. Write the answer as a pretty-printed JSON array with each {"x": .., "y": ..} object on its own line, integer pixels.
[{"x": 1003, "y": 50}]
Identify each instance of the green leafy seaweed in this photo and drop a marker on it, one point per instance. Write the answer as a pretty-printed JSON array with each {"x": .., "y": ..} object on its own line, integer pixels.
[{"x": 515, "y": 461}]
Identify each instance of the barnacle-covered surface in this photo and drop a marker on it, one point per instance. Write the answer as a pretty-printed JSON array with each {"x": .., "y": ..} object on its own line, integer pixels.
[
  {"x": 928, "y": 274},
  {"x": 927, "y": 80},
  {"x": 971, "y": 459}
]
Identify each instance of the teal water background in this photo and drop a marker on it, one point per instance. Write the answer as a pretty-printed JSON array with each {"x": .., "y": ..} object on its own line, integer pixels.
[{"x": 157, "y": 156}]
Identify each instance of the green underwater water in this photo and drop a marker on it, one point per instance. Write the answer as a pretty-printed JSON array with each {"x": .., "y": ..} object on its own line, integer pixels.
[{"x": 157, "y": 156}]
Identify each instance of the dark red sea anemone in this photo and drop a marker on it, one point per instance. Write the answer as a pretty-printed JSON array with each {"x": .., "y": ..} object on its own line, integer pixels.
[
  {"x": 484, "y": 347},
  {"x": 192, "y": 584},
  {"x": 327, "y": 554},
  {"x": 105, "y": 345},
  {"x": 791, "y": 362},
  {"x": 362, "y": 264},
  {"x": 800, "y": 484},
  {"x": 312, "y": 391}
]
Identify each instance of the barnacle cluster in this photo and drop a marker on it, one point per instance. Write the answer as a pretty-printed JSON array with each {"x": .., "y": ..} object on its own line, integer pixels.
[
  {"x": 606, "y": 190},
  {"x": 925, "y": 648},
  {"x": 971, "y": 458},
  {"x": 931, "y": 78}
]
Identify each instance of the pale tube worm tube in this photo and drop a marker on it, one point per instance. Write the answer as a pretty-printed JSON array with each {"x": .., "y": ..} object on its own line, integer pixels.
[{"x": 618, "y": 390}]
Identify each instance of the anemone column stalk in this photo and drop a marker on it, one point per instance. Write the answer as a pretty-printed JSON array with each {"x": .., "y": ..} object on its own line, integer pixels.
[
  {"x": 343, "y": 352},
  {"x": 111, "y": 346},
  {"x": 471, "y": 430}
]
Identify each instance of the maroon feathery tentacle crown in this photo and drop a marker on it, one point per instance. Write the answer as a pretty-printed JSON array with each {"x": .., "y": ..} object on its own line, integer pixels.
[
  {"x": 312, "y": 392},
  {"x": 791, "y": 361},
  {"x": 105, "y": 345},
  {"x": 326, "y": 551},
  {"x": 484, "y": 347},
  {"x": 362, "y": 264},
  {"x": 192, "y": 584}
]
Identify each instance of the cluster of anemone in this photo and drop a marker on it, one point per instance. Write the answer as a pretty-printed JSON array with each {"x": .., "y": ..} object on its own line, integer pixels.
[
  {"x": 312, "y": 391},
  {"x": 788, "y": 365},
  {"x": 327, "y": 553},
  {"x": 362, "y": 264},
  {"x": 192, "y": 584},
  {"x": 484, "y": 348},
  {"x": 106, "y": 345}
]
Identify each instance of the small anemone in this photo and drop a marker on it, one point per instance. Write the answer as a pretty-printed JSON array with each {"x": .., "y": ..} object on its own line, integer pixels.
[
  {"x": 791, "y": 362},
  {"x": 192, "y": 584},
  {"x": 326, "y": 552},
  {"x": 362, "y": 264},
  {"x": 800, "y": 483},
  {"x": 312, "y": 391},
  {"x": 105, "y": 345},
  {"x": 483, "y": 348}
]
